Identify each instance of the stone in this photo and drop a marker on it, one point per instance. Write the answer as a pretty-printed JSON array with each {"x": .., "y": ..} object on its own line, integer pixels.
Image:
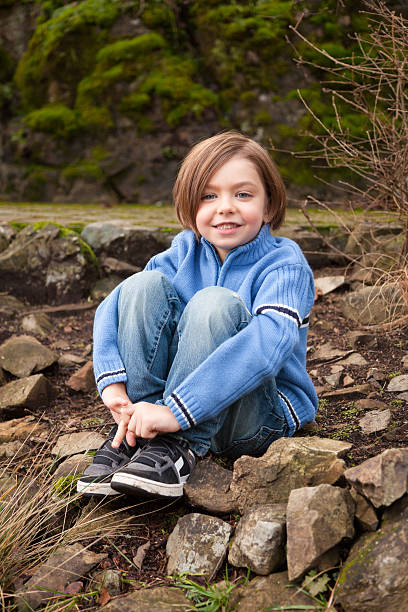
[
  {"x": 70, "y": 359},
  {"x": 268, "y": 592},
  {"x": 376, "y": 374},
  {"x": 364, "y": 513},
  {"x": 83, "y": 379},
  {"x": 318, "y": 518},
  {"x": 60, "y": 266},
  {"x": 24, "y": 355},
  {"x": 385, "y": 553},
  {"x": 73, "y": 465},
  {"x": 111, "y": 580},
  {"x": 20, "y": 429},
  {"x": 15, "y": 449},
  {"x": 374, "y": 305},
  {"x": 369, "y": 404},
  {"x": 404, "y": 361},
  {"x": 382, "y": 479},
  {"x": 354, "y": 359},
  {"x": 30, "y": 392},
  {"x": 259, "y": 541},
  {"x": 289, "y": 463},
  {"x": 327, "y": 353},
  {"x": 66, "y": 565},
  {"x": 327, "y": 284},
  {"x": 76, "y": 443},
  {"x": 359, "y": 339},
  {"x": 197, "y": 544},
  {"x": 38, "y": 323},
  {"x": 348, "y": 391},
  {"x": 333, "y": 379},
  {"x": 159, "y": 599},
  {"x": 403, "y": 396},
  {"x": 398, "y": 383},
  {"x": 7, "y": 233},
  {"x": 375, "y": 420},
  {"x": 10, "y": 304},
  {"x": 122, "y": 240},
  {"x": 103, "y": 287},
  {"x": 110, "y": 265},
  {"x": 208, "y": 488}
]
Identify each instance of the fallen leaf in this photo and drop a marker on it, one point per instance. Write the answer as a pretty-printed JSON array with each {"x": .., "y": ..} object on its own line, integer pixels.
[{"x": 140, "y": 554}]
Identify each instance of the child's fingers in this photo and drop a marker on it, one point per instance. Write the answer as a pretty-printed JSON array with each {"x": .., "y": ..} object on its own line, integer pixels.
[{"x": 120, "y": 434}]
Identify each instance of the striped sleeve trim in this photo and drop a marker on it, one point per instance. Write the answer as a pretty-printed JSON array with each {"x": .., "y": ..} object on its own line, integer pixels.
[
  {"x": 291, "y": 410},
  {"x": 183, "y": 409},
  {"x": 284, "y": 311},
  {"x": 120, "y": 372}
]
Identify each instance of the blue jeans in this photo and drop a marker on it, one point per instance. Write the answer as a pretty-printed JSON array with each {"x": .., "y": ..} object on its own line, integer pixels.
[{"x": 161, "y": 341}]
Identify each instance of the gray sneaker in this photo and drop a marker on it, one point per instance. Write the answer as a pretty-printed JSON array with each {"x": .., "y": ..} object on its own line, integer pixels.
[
  {"x": 159, "y": 469},
  {"x": 96, "y": 479}
]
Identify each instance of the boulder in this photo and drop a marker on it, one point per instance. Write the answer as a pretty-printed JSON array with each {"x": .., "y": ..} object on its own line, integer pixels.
[
  {"x": 375, "y": 575},
  {"x": 374, "y": 305},
  {"x": 197, "y": 544},
  {"x": 83, "y": 379},
  {"x": 30, "y": 392},
  {"x": 318, "y": 518},
  {"x": 289, "y": 463},
  {"x": 270, "y": 592},
  {"x": 24, "y": 355},
  {"x": 64, "y": 566},
  {"x": 124, "y": 241},
  {"x": 208, "y": 488},
  {"x": 259, "y": 541},
  {"x": 38, "y": 323},
  {"x": 76, "y": 443},
  {"x": 364, "y": 513},
  {"x": 382, "y": 479},
  {"x": 60, "y": 266},
  {"x": 159, "y": 599}
]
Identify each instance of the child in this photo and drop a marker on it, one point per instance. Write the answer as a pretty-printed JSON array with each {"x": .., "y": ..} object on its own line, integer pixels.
[{"x": 206, "y": 348}]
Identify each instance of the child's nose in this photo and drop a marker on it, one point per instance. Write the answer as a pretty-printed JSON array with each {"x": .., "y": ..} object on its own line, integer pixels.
[{"x": 226, "y": 204}]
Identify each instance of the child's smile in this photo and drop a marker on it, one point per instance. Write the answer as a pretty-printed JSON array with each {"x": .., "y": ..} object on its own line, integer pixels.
[{"x": 233, "y": 206}]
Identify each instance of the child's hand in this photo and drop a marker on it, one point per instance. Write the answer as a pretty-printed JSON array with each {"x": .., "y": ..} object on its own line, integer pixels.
[
  {"x": 144, "y": 420},
  {"x": 115, "y": 398}
]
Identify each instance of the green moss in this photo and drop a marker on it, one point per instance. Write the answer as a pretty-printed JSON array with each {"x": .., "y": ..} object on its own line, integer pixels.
[
  {"x": 83, "y": 169},
  {"x": 55, "y": 119},
  {"x": 7, "y": 66},
  {"x": 129, "y": 49},
  {"x": 64, "y": 232},
  {"x": 18, "y": 225}
]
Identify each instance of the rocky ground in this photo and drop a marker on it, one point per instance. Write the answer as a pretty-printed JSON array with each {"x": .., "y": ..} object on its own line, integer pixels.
[{"x": 352, "y": 367}]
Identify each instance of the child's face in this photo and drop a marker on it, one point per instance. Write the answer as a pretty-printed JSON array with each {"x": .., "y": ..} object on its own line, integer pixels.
[{"x": 233, "y": 206}]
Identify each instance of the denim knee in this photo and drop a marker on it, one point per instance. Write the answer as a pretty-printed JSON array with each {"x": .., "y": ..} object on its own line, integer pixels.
[
  {"x": 214, "y": 304},
  {"x": 142, "y": 282}
]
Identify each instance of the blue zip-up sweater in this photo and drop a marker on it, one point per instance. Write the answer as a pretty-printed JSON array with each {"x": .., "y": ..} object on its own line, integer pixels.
[{"x": 274, "y": 280}]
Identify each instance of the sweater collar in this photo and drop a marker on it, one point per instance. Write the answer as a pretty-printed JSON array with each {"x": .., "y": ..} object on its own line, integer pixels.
[{"x": 249, "y": 252}]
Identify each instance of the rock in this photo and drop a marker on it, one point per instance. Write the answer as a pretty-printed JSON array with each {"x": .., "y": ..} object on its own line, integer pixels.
[
  {"x": 58, "y": 263},
  {"x": 83, "y": 379},
  {"x": 31, "y": 392},
  {"x": 359, "y": 339},
  {"x": 103, "y": 287},
  {"x": 369, "y": 404},
  {"x": 24, "y": 355},
  {"x": 376, "y": 374},
  {"x": 318, "y": 518},
  {"x": 69, "y": 360},
  {"x": 111, "y": 580},
  {"x": 197, "y": 544},
  {"x": 208, "y": 488},
  {"x": 260, "y": 540},
  {"x": 385, "y": 553},
  {"x": 348, "y": 380},
  {"x": 38, "y": 323},
  {"x": 403, "y": 396},
  {"x": 268, "y": 592},
  {"x": 8, "y": 484},
  {"x": 383, "y": 478},
  {"x": 76, "y": 443},
  {"x": 327, "y": 284},
  {"x": 398, "y": 383},
  {"x": 7, "y": 233},
  {"x": 375, "y": 420},
  {"x": 289, "y": 463},
  {"x": 20, "y": 429},
  {"x": 72, "y": 466},
  {"x": 327, "y": 353},
  {"x": 10, "y": 304},
  {"x": 3, "y": 379},
  {"x": 333, "y": 379},
  {"x": 348, "y": 391},
  {"x": 364, "y": 513},
  {"x": 159, "y": 599},
  {"x": 15, "y": 449},
  {"x": 64, "y": 566},
  {"x": 354, "y": 359},
  {"x": 404, "y": 361},
  {"x": 110, "y": 265},
  {"x": 374, "y": 305},
  {"x": 124, "y": 241}
]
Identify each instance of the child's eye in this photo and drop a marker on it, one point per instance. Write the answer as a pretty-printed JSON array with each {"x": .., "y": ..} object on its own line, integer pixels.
[
  {"x": 208, "y": 196},
  {"x": 243, "y": 195}
]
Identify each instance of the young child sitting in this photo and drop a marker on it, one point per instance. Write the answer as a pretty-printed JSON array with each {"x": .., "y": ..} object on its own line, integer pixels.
[{"x": 206, "y": 348}]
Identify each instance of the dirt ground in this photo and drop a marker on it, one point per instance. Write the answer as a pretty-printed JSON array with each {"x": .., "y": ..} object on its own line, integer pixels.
[{"x": 337, "y": 418}]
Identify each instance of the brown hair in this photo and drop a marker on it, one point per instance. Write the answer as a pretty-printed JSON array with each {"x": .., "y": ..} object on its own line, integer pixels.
[{"x": 207, "y": 157}]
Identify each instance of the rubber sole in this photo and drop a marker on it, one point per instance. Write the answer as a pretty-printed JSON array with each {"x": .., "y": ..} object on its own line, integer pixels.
[
  {"x": 136, "y": 485},
  {"x": 93, "y": 489}
]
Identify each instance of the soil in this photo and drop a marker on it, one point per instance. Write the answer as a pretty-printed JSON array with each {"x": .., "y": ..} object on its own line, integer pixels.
[{"x": 337, "y": 418}]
